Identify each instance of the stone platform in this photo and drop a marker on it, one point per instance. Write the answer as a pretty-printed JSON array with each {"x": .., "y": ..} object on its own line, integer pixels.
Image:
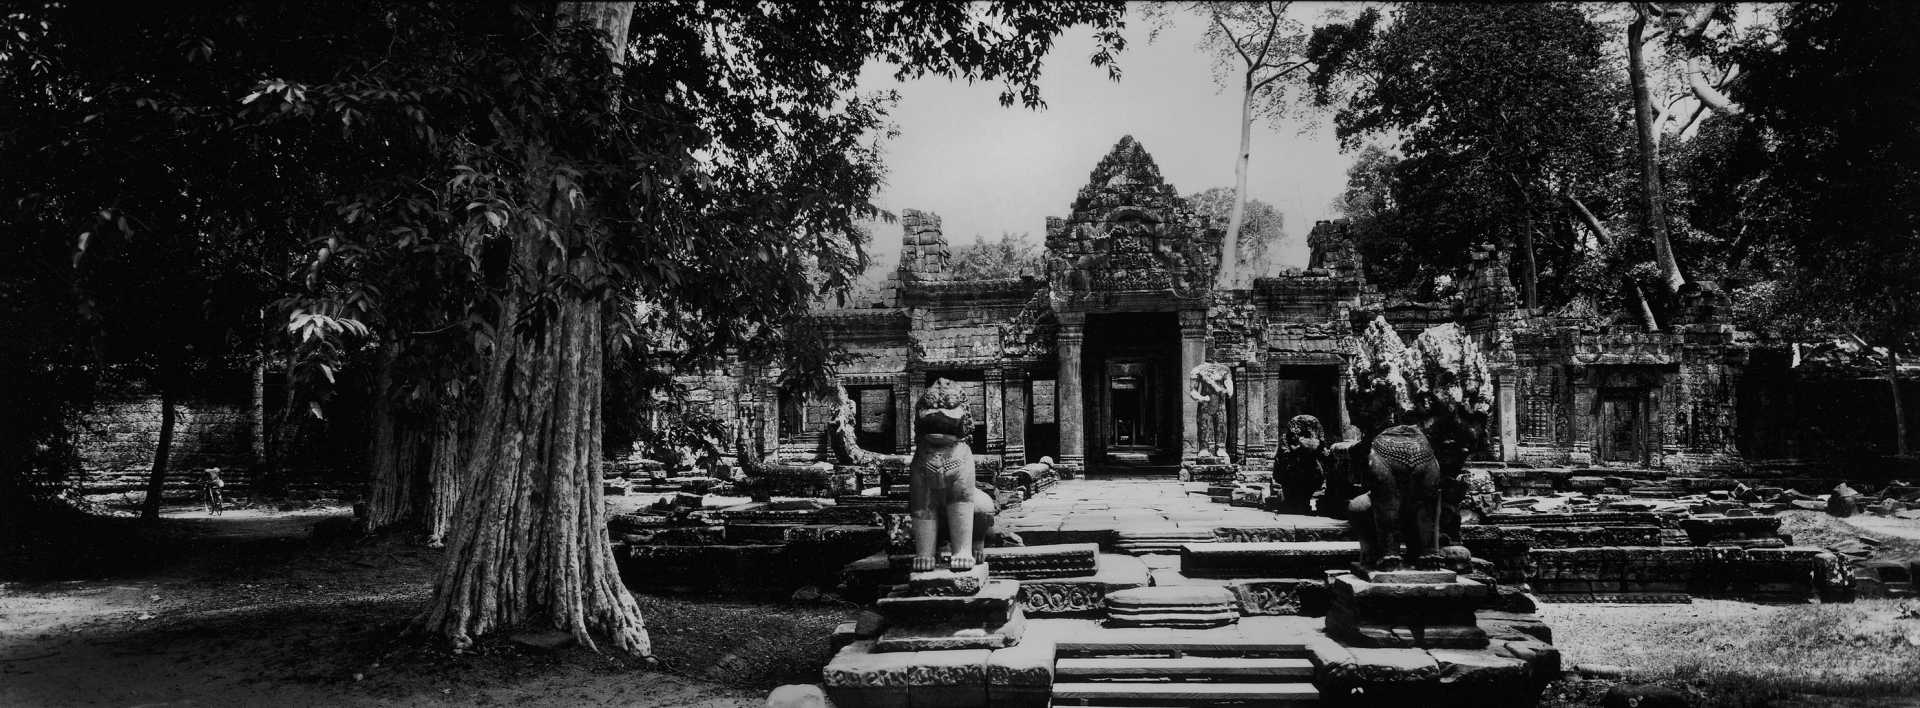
[
  {"x": 1196, "y": 607},
  {"x": 1245, "y": 626},
  {"x": 1095, "y": 510},
  {"x": 1267, "y": 559}
]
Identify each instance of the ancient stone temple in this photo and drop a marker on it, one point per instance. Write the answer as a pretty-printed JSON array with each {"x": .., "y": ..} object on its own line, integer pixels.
[{"x": 1092, "y": 361}]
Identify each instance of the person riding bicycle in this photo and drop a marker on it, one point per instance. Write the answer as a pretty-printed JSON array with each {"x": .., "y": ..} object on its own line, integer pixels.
[{"x": 213, "y": 484}]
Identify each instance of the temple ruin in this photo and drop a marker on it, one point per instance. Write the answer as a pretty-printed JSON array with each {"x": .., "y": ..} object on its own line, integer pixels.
[{"x": 1087, "y": 362}]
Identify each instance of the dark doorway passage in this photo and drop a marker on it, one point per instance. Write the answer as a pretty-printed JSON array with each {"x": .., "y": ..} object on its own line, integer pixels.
[
  {"x": 1307, "y": 390},
  {"x": 1132, "y": 388},
  {"x": 1043, "y": 422},
  {"x": 1623, "y": 429},
  {"x": 873, "y": 415}
]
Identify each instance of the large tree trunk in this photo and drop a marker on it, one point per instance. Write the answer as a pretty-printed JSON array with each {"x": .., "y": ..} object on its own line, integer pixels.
[
  {"x": 447, "y": 471},
  {"x": 394, "y": 456},
  {"x": 1605, "y": 239},
  {"x": 1230, "y": 248},
  {"x": 1531, "y": 278},
  {"x": 157, "y": 480},
  {"x": 529, "y": 544},
  {"x": 1653, "y": 213}
]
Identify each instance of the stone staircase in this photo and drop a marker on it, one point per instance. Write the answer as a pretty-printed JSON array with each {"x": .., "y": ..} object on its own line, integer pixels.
[
  {"x": 1182, "y": 669},
  {"x": 1169, "y": 540}
]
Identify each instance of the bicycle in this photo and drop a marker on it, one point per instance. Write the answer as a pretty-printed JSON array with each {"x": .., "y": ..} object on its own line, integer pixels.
[{"x": 211, "y": 490}]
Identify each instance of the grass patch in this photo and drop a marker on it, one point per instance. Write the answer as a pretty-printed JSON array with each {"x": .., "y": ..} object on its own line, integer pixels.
[
  {"x": 1814, "y": 528},
  {"x": 1738, "y": 654}
]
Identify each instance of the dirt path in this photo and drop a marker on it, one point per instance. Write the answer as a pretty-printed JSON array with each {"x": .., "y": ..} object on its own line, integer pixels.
[
  {"x": 1887, "y": 526},
  {"x": 253, "y": 612}
]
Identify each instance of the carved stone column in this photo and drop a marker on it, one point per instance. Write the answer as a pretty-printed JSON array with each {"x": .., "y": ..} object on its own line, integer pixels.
[
  {"x": 1508, "y": 413},
  {"x": 1193, "y": 352},
  {"x": 1251, "y": 380},
  {"x": 1345, "y": 419},
  {"x": 1014, "y": 417},
  {"x": 1586, "y": 407},
  {"x": 1069, "y": 409},
  {"x": 995, "y": 408},
  {"x": 903, "y": 396},
  {"x": 1270, "y": 405}
]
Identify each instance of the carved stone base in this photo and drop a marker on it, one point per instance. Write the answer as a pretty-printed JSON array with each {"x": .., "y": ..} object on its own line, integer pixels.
[
  {"x": 954, "y": 635},
  {"x": 859, "y": 676},
  {"x": 942, "y": 581},
  {"x": 1084, "y": 595},
  {"x": 1423, "y": 611},
  {"x": 990, "y": 606},
  {"x": 1048, "y": 561}
]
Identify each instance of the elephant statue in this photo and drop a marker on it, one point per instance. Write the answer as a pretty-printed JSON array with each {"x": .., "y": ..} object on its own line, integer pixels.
[
  {"x": 944, "y": 503},
  {"x": 1211, "y": 385},
  {"x": 1301, "y": 465}
]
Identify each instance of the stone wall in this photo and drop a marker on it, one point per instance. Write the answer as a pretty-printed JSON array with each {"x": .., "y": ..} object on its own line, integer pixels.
[{"x": 118, "y": 438}]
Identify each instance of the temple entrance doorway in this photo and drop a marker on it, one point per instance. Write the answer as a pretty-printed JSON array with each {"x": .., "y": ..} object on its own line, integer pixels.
[
  {"x": 1307, "y": 390},
  {"x": 1133, "y": 386},
  {"x": 1623, "y": 426}
]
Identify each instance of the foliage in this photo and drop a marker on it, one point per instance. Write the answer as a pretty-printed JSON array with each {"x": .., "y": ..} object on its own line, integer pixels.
[
  {"x": 1826, "y": 172},
  {"x": 1374, "y": 220},
  {"x": 1012, "y": 256},
  {"x": 132, "y": 251},
  {"x": 386, "y": 155},
  {"x": 1261, "y": 230},
  {"x": 645, "y": 409},
  {"x": 1497, "y": 111}
]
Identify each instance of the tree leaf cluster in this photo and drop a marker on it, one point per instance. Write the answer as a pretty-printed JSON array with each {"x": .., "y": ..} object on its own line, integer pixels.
[{"x": 1497, "y": 113}]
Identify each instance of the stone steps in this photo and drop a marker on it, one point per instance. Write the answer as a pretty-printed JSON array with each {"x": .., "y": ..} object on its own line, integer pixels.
[
  {"x": 1187, "y": 693},
  {"x": 1164, "y": 540},
  {"x": 1192, "y": 606},
  {"x": 1182, "y": 667},
  {"x": 1177, "y": 643},
  {"x": 1168, "y": 667},
  {"x": 1267, "y": 559}
]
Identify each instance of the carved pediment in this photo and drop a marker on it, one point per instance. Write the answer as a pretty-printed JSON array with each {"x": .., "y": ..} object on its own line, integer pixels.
[{"x": 1130, "y": 232}]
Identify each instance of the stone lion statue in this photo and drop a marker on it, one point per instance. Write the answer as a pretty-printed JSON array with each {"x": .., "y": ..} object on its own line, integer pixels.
[
  {"x": 945, "y": 504},
  {"x": 1300, "y": 466}
]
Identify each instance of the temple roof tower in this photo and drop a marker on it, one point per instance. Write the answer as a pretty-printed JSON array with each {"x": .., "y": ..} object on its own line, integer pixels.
[{"x": 1131, "y": 232}]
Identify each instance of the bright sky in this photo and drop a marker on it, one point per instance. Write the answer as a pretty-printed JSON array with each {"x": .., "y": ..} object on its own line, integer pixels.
[{"x": 986, "y": 169}]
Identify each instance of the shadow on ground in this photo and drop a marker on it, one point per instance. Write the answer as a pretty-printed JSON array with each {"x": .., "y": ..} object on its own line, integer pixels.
[{"x": 250, "y": 611}]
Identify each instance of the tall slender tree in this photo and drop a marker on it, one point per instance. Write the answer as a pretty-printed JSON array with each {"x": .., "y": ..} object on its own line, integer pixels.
[{"x": 1260, "y": 50}]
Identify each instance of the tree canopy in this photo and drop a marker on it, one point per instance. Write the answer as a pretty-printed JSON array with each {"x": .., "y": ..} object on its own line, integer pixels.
[
  {"x": 1012, "y": 256},
  {"x": 1820, "y": 179},
  {"x": 1262, "y": 227},
  {"x": 1498, "y": 110},
  {"x": 538, "y": 184}
]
